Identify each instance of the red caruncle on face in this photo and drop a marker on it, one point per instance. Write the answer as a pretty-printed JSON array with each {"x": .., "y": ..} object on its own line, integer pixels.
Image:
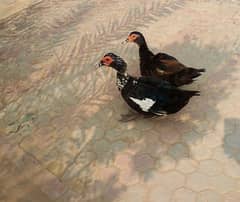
[{"x": 107, "y": 60}]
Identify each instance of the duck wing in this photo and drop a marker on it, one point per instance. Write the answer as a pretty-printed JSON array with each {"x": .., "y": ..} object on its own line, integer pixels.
[
  {"x": 185, "y": 76},
  {"x": 155, "y": 81},
  {"x": 168, "y": 68},
  {"x": 177, "y": 99},
  {"x": 144, "y": 96},
  {"x": 165, "y": 56},
  {"x": 136, "y": 95},
  {"x": 165, "y": 64}
]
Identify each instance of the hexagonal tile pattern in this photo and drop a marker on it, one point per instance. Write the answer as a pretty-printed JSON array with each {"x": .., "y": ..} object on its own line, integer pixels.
[
  {"x": 210, "y": 167},
  {"x": 209, "y": 196},
  {"x": 133, "y": 193},
  {"x": 61, "y": 137},
  {"x": 143, "y": 162},
  {"x": 186, "y": 165},
  {"x": 166, "y": 163},
  {"x": 159, "y": 193},
  {"x": 171, "y": 180},
  {"x": 179, "y": 151},
  {"x": 200, "y": 182},
  {"x": 184, "y": 195}
]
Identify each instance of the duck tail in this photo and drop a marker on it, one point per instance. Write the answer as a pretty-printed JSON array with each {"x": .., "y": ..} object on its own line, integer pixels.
[
  {"x": 182, "y": 98},
  {"x": 201, "y": 70},
  {"x": 185, "y": 76},
  {"x": 191, "y": 93},
  {"x": 193, "y": 73},
  {"x": 195, "y": 93}
]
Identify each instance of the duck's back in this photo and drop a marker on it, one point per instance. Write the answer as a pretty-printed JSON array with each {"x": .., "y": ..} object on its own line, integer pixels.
[{"x": 168, "y": 68}]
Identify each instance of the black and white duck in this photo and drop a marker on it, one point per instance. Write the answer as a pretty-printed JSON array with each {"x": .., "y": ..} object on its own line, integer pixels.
[
  {"x": 162, "y": 65},
  {"x": 147, "y": 95}
]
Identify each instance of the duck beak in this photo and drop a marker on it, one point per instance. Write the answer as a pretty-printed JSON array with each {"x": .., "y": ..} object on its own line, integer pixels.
[
  {"x": 125, "y": 41},
  {"x": 98, "y": 65}
]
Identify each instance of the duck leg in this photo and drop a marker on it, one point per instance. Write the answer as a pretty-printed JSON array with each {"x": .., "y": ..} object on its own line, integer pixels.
[
  {"x": 149, "y": 116},
  {"x": 130, "y": 116}
]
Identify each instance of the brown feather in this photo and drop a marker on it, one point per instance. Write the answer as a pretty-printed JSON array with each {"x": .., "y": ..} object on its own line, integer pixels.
[{"x": 172, "y": 66}]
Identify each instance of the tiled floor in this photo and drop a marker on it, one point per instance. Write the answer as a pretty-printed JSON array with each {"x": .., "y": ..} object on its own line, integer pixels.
[{"x": 60, "y": 135}]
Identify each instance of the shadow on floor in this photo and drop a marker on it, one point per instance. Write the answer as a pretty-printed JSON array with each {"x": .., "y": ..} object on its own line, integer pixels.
[{"x": 232, "y": 138}]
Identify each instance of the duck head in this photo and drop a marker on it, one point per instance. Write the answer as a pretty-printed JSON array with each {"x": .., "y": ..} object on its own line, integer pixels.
[
  {"x": 136, "y": 37},
  {"x": 114, "y": 61}
]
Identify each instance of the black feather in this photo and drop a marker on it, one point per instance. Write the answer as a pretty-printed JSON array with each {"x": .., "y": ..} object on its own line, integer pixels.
[
  {"x": 164, "y": 66},
  {"x": 149, "y": 95}
]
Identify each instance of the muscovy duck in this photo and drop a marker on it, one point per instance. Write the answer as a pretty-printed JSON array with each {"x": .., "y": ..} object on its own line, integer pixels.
[
  {"x": 147, "y": 95},
  {"x": 162, "y": 65}
]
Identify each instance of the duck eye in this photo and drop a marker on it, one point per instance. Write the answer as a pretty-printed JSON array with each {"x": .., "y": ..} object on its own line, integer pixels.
[{"x": 107, "y": 59}]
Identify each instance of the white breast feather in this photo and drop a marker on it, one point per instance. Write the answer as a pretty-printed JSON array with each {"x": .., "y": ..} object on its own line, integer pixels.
[
  {"x": 145, "y": 104},
  {"x": 119, "y": 84}
]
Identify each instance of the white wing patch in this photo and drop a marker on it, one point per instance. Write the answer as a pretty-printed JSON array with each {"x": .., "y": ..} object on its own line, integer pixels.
[{"x": 145, "y": 104}]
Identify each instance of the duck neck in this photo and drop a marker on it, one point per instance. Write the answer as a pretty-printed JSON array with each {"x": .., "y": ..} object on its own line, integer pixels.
[
  {"x": 122, "y": 79},
  {"x": 143, "y": 48},
  {"x": 145, "y": 57}
]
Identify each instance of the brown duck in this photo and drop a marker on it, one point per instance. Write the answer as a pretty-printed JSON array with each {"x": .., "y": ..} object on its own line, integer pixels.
[{"x": 162, "y": 65}]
